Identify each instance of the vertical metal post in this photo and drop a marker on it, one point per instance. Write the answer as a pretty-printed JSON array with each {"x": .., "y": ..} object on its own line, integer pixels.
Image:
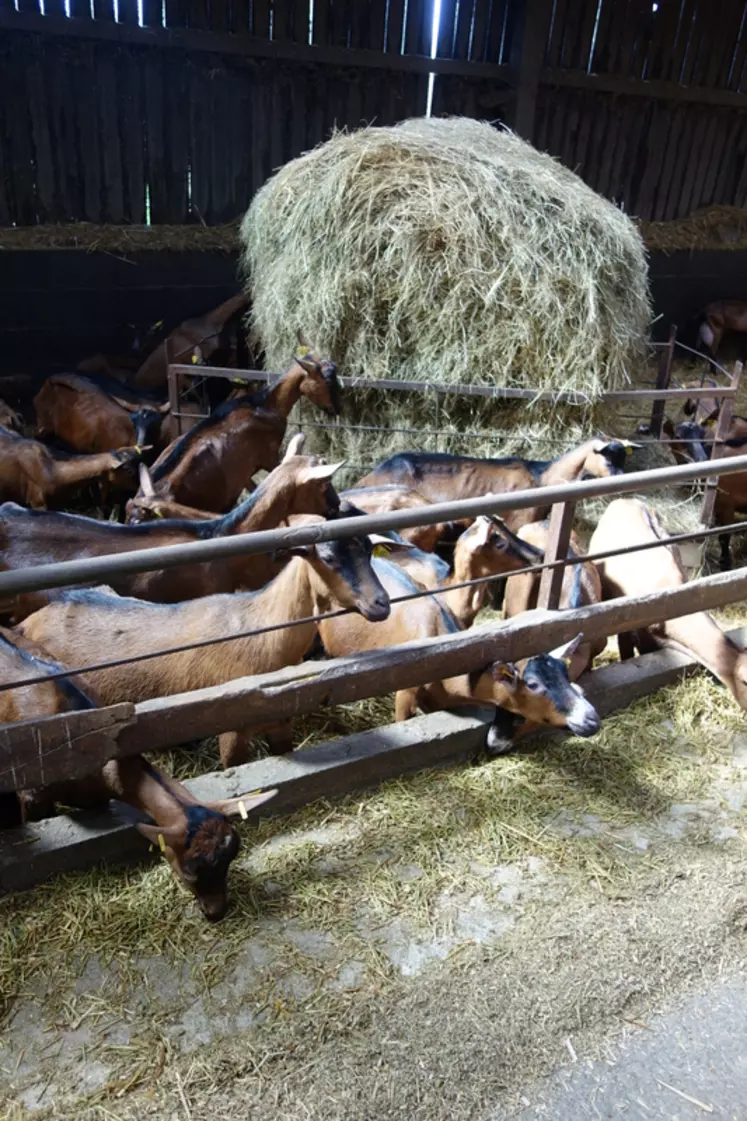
[
  {"x": 717, "y": 447},
  {"x": 173, "y": 385},
  {"x": 662, "y": 382},
  {"x": 551, "y": 580}
]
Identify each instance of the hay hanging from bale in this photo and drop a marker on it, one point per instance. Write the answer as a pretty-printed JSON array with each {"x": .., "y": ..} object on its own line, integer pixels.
[{"x": 446, "y": 250}]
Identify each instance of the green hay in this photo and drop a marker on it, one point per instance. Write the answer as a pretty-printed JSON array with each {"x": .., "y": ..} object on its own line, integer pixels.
[{"x": 445, "y": 250}]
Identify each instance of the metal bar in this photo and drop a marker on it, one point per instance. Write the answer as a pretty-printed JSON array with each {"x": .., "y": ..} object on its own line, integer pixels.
[
  {"x": 63, "y": 573},
  {"x": 662, "y": 381},
  {"x": 173, "y": 383},
  {"x": 533, "y": 569},
  {"x": 717, "y": 448},
  {"x": 468, "y": 390},
  {"x": 551, "y": 581}
]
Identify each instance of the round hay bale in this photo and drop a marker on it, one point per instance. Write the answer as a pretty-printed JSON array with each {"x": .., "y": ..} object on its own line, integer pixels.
[{"x": 449, "y": 251}]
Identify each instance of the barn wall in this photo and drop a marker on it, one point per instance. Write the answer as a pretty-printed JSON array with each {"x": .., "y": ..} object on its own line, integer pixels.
[
  {"x": 182, "y": 119},
  {"x": 59, "y": 306}
]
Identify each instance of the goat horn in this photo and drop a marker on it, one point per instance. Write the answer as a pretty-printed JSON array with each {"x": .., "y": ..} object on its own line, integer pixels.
[
  {"x": 146, "y": 483},
  {"x": 295, "y": 447},
  {"x": 568, "y": 648}
]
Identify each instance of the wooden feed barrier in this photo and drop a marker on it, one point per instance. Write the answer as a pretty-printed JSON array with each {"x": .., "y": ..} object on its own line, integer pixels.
[{"x": 41, "y": 751}]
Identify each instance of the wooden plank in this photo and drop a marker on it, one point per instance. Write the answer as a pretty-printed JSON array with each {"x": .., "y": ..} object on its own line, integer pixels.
[
  {"x": 633, "y": 87},
  {"x": 702, "y": 167},
  {"x": 463, "y": 28},
  {"x": 528, "y": 43},
  {"x": 446, "y": 29},
  {"x": 321, "y": 23},
  {"x": 418, "y": 28},
  {"x": 86, "y": 106},
  {"x": 718, "y": 154},
  {"x": 701, "y": 118},
  {"x": 570, "y": 57},
  {"x": 222, "y": 139},
  {"x": 128, "y": 12},
  {"x": 686, "y": 150},
  {"x": 717, "y": 448},
  {"x": 394, "y": 27},
  {"x": 177, "y": 12},
  {"x": 159, "y": 169},
  {"x": 662, "y": 381},
  {"x": 605, "y": 185},
  {"x": 726, "y": 176},
  {"x": 200, "y": 124},
  {"x": 103, "y": 11},
  {"x": 554, "y": 52},
  {"x": 197, "y": 14},
  {"x": 112, "y": 201},
  {"x": 301, "y": 23},
  {"x": 558, "y": 541},
  {"x": 131, "y": 125},
  {"x": 700, "y": 41},
  {"x": 737, "y": 64},
  {"x": 152, "y": 13},
  {"x": 241, "y": 14},
  {"x": 176, "y": 91},
  {"x": 671, "y": 149},
  {"x": 42, "y": 141},
  {"x": 249, "y": 46},
  {"x": 40, "y": 752},
  {"x": 339, "y": 22},
  {"x": 480, "y": 27},
  {"x": 655, "y": 141},
  {"x": 20, "y": 151},
  {"x": 7, "y": 201},
  {"x": 663, "y": 33},
  {"x": 220, "y": 15},
  {"x": 504, "y": 16},
  {"x": 282, "y": 20},
  {"x": 634, "y": 153}
]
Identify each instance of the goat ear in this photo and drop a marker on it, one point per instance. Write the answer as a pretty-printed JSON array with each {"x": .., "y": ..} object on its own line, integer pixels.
[
  {"x": 243, "y": 806},
  {"x": 146, "y": 483},
  {"x": 164, "y": 409},
  {"x": 161, "y": 835},
  {"x": 295, "y": 447},
  {"x": 567, "y": 649},
  {"x": 320, "y": 471},
  {"x": 506, "y": 674},
  {"x": 482, "y": 531}
]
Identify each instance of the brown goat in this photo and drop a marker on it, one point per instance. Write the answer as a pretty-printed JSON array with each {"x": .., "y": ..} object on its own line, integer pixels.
[
  {"x": 581, "y": 586},
  {"x": 212, "y": 337},
  {"x": 384, "y": 499},
  {"x": 89, "y": 418},
  {"x": 33, "y": 475},
  {"x": 628, "y": 521},
  {"x": 299, "y": 485},
  {"x": 537, "y": 689},
  {"x": 79, "y": 627},
  {"x": 211, "y": 464},
  {"x": 196, "y": 838},
  {"x": 449, "y": 478},
  {"x": 717, "y": 318}
]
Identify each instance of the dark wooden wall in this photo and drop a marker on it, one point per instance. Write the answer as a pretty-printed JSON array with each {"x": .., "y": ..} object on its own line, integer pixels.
[
  {"x": 183, "y": 118},
  {"x": 59, "y": 306}
]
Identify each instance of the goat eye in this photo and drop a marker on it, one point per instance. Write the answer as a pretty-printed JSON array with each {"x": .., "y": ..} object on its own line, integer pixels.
[{"x": 533, "y": 686}]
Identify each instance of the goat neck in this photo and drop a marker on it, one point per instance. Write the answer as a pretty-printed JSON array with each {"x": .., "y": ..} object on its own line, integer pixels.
[
  {"x": 566, "y": 468},
  {"x": 286, "y": 391}
]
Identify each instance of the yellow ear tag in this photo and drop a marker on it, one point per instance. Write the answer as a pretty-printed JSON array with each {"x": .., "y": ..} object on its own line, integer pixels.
[
  {"x": 302, "y": 351},
  {"x": 237, "y": 381},
  {"x": 157, "y": 325},
  {"x": 242, "y": 811},
  {"x": 628, "y": 451},
  {"x": 380, "y": 551},
  {"x": 157, "y": 513},
  {"x": 138, "y": 449},
  {"x": 711, "y": 423},
  {"x": 195, "y": 359},
  {"x": 161, "y": 842},
  {"x": 567, "y": 662}
]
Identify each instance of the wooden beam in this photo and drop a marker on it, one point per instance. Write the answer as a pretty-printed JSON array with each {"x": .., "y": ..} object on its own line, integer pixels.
[
  {"x": 559, "y": 537},
  {"x": 637, "y": 87},
  {"x": 723, "y": 425},
  {"x": 101, "y": 568},
  {"x": 528, "y": 43},
  {"x": 247, "y": 46},
  {"x": 662, "y": 381},
  {"x": 56, "y": 748},
  {"x": 63, "y": 844}
]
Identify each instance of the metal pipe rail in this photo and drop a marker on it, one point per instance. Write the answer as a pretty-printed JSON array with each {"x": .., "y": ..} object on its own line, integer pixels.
[
  {"x": 63, "y": 573},
  {"x": 532, "y": 569},
  {"x": 464, "y": 390}
]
